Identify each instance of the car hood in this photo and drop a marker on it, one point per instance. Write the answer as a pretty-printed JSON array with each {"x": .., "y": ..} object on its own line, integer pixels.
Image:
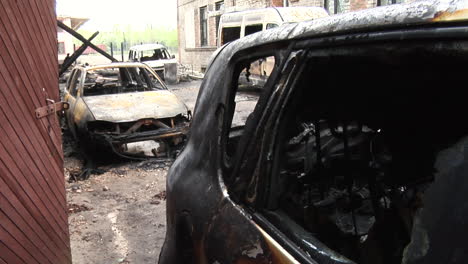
[
  {"x": 158, "y": 63},
  {"x": 129, "y": 107}
]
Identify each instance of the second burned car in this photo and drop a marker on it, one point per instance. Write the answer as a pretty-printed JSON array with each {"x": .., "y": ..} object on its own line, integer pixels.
[{"x": 126, "y": 108}]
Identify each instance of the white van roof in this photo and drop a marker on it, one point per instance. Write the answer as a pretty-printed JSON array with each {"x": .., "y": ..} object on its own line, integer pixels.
[
  {"x": 143, "y": 47},
  {"x": 284, "y": 14}
]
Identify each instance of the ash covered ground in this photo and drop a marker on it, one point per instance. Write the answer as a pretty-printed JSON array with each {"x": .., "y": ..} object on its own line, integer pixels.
[{"x": 118, "y": 215}]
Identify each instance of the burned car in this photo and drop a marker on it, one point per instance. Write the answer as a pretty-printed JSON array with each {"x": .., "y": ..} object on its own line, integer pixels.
[
  {"x": 125, "y": 108},
  {"x": 352, "y": 152},
  {"x": 154, "y": 55}
]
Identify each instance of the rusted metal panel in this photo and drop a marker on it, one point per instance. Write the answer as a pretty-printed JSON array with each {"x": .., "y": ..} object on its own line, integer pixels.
[
  {"x": 51, "y": 109},
  {"x": 33, "y": 216},
  {"x": 152, "y": 104}
]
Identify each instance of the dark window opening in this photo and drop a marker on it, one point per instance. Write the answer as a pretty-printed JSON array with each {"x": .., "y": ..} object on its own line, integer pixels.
[
  {"x": 203, "y": 26},
  {"x": 250, "y": 29},
  {"x": 350, "y": 167},
  {"x": 230, "y": 34}
]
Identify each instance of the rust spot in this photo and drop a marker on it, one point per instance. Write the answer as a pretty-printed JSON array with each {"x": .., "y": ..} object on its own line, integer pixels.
[{"x": 451, "y": 16}]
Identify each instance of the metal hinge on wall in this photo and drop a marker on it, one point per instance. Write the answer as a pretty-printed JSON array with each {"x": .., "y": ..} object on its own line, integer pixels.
[{"x": 51, "y": 108}]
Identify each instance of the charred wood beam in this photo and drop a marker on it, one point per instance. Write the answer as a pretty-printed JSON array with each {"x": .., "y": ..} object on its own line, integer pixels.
[
  {"x": 69, "y": 61},
  {"x": 84, "y": 40}
]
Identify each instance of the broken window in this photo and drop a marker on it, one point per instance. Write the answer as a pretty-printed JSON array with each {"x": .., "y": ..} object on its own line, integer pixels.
[
  {"x": 229, "y": 34},
  {"x": 248, "y": 85},
  {"x": 120, "y": 80},
  {"x": 75, "y": 82},
  {"x": 250, "y": 29}
]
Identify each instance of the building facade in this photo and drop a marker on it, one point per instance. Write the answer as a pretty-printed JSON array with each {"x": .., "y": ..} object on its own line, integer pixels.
[
  {"x": 64, "y": 39},
  {"x": 198, "y": 21}
]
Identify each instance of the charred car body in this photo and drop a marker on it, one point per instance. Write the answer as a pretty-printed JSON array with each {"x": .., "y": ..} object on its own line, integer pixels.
[
  {"x": 350, "y": 155},
  {"x": 126, "y": 108}
]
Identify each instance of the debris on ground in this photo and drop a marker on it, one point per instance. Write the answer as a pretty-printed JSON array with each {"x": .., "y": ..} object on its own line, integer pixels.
[
  {"x": 123, "y": 225},
  {"x": 76, "y": 208},
  {"x": 160, "y": 196}
]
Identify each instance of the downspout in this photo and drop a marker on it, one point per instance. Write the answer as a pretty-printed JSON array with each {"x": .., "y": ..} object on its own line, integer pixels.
[{"x": 285, "y": 3}]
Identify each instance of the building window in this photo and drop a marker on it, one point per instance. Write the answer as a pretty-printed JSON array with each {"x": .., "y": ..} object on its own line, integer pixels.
[
  {"x": 218, "y": 6},
  {"x": 203, "y": 26},
  {"x": 61, "y": 48}
]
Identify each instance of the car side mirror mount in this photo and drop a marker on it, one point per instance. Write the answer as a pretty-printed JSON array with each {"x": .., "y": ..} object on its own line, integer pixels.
[{"x": 173, "y": 56}]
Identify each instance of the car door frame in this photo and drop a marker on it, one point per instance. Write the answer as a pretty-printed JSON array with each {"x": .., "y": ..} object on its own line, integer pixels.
[
  {"x": 236, "y": 186},
  {"x": 72, "y": 98}
]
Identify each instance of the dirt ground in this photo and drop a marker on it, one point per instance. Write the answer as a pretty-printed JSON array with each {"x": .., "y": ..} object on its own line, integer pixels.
[{"x": 119, "y": 216}]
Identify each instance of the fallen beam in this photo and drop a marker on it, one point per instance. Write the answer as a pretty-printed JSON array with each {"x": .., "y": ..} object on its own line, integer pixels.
[
  {"x": 69, "y": 61},
  {"x": 84, "y": 40}
]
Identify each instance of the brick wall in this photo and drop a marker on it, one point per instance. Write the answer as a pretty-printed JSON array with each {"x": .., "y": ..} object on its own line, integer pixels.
[
  {"x": 277, "y": 3},
  {"x": 190, "y": 52}
]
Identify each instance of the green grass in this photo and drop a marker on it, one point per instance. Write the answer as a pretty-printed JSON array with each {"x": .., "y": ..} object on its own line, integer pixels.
[{"x": 131, "y": 37}]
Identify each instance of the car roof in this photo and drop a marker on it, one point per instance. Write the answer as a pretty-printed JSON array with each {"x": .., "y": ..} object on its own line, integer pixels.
[
  {"x": 286, "y": 14},
  {"x": 398, "y": 15},
  {"x": 143, "y": 47}
]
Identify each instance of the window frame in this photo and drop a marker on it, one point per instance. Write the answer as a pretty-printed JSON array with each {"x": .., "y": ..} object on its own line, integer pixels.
[
  {"x": 230, "y": 163},
  {"x": 203, "y": 11},
  {"x": 74, "y": 87},
  {"x": 219, "y": 5}
]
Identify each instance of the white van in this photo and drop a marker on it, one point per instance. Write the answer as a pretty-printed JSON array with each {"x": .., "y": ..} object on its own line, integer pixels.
[
  {"x": 235, "y": 25},
  {"x": 154, "y": 55}
]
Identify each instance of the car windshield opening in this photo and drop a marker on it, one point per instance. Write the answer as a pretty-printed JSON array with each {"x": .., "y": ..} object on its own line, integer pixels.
[
  {"x": 119, "y": 80},
  {"x": 154, "y": 54}
]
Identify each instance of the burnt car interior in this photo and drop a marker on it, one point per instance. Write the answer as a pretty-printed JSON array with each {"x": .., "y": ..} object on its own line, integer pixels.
[
  {"x": 119, "y": 80},
  {"x": 140, "y": 139},
  {"x": 353, "y": 146}
]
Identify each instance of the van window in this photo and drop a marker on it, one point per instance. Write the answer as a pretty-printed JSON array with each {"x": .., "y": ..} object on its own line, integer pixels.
[
  {"x": 271, "y": 25},
  {"x": 250, "y": 29},
  {"x": 230, "y": 34}
]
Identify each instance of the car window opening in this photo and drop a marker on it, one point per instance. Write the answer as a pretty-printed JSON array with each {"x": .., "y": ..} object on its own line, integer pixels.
[
  {"x": 119, "y": 80},
  {"x": 250, "y": 29},
  {"x": 230, "y": 34},
  {"x": 351, "y": 170},
  {"x": 249, "y": 85},
  {"x": 157, "y": 54}
]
